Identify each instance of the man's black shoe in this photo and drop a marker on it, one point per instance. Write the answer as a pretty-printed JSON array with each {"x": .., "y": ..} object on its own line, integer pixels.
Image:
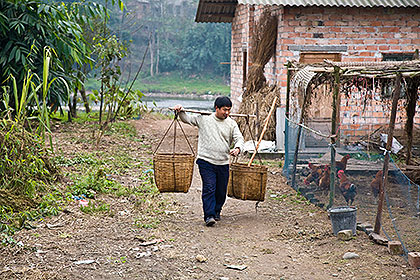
[
  {"x": 210, "y": 221},
  {"x": 217, "y": 216}
]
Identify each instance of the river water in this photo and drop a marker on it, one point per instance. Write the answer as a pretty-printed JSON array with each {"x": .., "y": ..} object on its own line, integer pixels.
[
  {"x": 161, "y": 103},
  {"x": 188, "y": 102}
]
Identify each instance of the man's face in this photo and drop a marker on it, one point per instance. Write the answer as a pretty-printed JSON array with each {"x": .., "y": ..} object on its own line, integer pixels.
[{"x": 223, "y": 112}]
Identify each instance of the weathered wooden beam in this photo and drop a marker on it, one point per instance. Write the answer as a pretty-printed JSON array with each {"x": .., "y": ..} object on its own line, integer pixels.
[
  {"x": 220, "y": 4},
  {"x": 333, "y": 131},
  {"x": 412, "y": 96}
]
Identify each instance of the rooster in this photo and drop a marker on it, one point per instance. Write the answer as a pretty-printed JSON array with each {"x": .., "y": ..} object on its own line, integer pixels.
[
  {"x": 376, "y": 183},
  {"x": 342, "y": 164},
  {"x": 324, "y": 182},
  {"x": 348, "y": 190},
  {"x": 315, "y": 175}
]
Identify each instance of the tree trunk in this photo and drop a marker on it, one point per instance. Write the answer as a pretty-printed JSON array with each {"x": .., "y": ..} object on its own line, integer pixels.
[
  {"x": 152, "y": 50},
  {"x": 72, "y": 104},
  {"x": 70, "y": 118},
  {"x": 157, "y": 55},
  {"x": 102, "y": 102},
  {"x": 74, "y": 111},
  {"x": 85, "y": 100}
]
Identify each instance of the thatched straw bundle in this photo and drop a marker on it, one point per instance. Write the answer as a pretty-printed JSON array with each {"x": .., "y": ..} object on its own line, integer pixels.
[
  {"x": 263, "y": 47},
  {"x": 259, "y": 103},
  {"x": 258, "y": 97}
]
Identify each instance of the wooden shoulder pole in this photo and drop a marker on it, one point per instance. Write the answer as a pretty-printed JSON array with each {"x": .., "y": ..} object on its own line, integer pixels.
[
  {"x": 382, "y": 187},
  {"x": 209, "y": 113},
  {"x": 264, "y": 129}
]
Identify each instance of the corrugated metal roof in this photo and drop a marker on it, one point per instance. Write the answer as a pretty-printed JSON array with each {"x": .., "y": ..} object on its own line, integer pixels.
[
  {"x": 337, "y": 3},
  {"x": 224, "y": 10},
  {"x": 216, "y": 10}
]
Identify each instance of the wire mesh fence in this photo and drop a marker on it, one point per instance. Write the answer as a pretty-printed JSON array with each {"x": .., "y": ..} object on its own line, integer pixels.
[{"x": 356, "y": 183}]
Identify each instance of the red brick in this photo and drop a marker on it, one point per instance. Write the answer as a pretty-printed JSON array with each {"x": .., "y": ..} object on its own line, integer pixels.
[
  {"x": 389, "y": 29},
  {"x": 413, "y": 23},
  {"x": 376, "y": 23},
  {"x": 414, "y": 259},
  {"x": 393, "y": 41},
  {"x": 388, "y": 35},
  {"x": 372, "y": 48}
]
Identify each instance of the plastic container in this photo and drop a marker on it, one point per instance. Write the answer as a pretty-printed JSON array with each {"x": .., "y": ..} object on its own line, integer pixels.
[{"x": 342, "y": 218}]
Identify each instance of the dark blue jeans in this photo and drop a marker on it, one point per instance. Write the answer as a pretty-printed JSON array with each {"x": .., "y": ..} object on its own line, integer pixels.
[{"x": 215, "y": 179}]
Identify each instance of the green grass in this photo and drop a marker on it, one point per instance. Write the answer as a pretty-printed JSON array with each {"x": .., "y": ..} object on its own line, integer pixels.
[
  {"x": 174, "y": 83},
  {"x": 95, "y": 207}
]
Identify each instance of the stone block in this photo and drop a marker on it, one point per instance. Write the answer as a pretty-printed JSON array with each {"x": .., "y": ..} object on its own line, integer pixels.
[
  {"x": 345, "y": 235},
  {"x": 369, "y": 230},
  {"x": 414, "y": 259},
  {"x": 395, "y": 248},
  {"x": 378, "y": 239},
  {"x": 363, "y": 226}
]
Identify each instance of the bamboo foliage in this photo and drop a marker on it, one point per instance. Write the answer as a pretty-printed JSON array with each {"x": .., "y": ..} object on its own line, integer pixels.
[{"x": 29, "y": 92}]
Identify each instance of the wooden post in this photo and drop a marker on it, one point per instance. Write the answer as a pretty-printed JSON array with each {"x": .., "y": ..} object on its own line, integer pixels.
[
  {"x": 334, "y": 104},
  {"x": 302, "y": 115},
  {"x": 412, "y": 95},
  {"x": 286, "y": 122},
  {"x": 382, "y": 187}
]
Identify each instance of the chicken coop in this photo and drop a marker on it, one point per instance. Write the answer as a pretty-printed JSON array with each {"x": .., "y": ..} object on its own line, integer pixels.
[{"x": 341, "y": 148}]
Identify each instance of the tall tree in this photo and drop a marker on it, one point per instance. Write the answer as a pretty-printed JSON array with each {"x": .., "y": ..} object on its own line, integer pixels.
[{"x": 176, "y": 43}]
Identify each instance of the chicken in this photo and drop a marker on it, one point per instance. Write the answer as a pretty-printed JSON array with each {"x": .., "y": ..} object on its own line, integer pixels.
[
  {"x": 348, "y": 190},
  {"x": 315, "y": 175},
  {"x": 342, "y": 164},
  {"x": 376, "y": 183},
  {"x": 324, "y": 182}
]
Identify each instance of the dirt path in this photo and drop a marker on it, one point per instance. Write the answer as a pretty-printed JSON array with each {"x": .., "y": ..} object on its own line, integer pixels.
[{"x": 287, "y": 238}]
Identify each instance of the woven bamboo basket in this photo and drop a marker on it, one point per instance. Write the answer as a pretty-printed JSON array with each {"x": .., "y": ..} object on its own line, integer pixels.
[
  {"x": 247, "y": 182},
  {"x": 173, "y": 172}
]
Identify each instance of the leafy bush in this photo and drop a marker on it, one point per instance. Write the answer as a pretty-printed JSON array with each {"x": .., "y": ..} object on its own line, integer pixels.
[
  {"x": 93, "y": 183},
  {"x": 25, "y": 167}
]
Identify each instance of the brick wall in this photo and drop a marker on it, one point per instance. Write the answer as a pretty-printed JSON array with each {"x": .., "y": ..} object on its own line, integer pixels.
[
  {"x": 357, "y": 120},
  {"x": 240, "y": 38},
  {"x": 366, "y": 33}
]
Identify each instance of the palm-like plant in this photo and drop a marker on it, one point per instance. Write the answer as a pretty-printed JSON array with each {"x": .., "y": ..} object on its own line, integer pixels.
[
  {"x": 33, "y": 91},
  {"x": 27, "y": 27}
]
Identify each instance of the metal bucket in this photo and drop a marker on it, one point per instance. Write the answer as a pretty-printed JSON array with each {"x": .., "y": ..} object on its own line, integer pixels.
[{"x": 342, "y": 218}]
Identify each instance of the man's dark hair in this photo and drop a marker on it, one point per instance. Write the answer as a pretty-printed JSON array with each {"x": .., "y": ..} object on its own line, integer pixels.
[{"x": 222, "y": 101}]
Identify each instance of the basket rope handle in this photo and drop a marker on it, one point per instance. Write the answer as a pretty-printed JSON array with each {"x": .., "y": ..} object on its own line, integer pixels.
[
  {"x": 250, "y": 133},
  {"x": 186, "y": 138},
  {"x": 177, "y": 122}
]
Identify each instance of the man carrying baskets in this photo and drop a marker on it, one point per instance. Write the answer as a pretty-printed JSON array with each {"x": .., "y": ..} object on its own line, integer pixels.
[{"x": 217, "y": 133}]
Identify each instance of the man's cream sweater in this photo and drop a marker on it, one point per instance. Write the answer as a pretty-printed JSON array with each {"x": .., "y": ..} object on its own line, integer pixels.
[{"x": 215, "y": 137}]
